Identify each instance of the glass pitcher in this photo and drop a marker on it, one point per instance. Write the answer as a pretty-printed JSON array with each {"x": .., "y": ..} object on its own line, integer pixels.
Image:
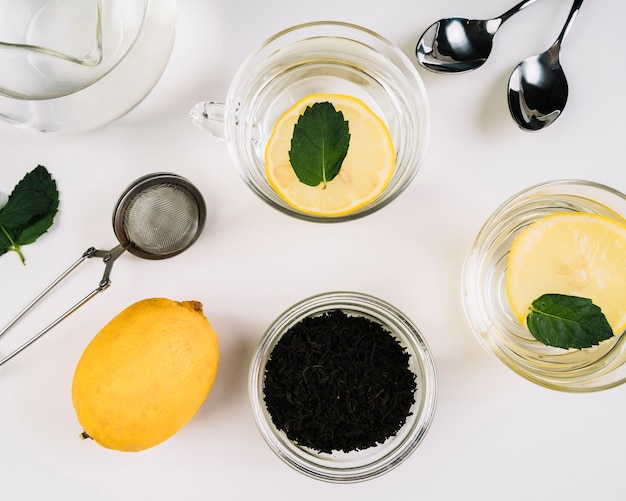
[{"x": 71, "y": 65}]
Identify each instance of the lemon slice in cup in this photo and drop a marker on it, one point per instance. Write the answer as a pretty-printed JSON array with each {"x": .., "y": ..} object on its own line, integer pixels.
[
  {"x": 365, "y": 171},
  {"x": 573, "y": 253}
]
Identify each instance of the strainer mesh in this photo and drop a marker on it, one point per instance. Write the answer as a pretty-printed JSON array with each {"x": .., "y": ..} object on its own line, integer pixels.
[{"x": 162, "y": 219}]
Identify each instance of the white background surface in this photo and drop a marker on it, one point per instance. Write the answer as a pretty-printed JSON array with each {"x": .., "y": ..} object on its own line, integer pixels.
[{"x": 495, "y": 435}]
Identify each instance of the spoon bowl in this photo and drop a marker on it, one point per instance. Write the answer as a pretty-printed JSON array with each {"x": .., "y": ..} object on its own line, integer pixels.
[
  {"x": 538, "y": 89},
  {"x": 439, "y": 50},
  {"x": 458, "y": 45}
]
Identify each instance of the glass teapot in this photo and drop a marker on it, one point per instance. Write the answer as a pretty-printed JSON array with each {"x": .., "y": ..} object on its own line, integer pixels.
[{"x": 65, "y": 61}]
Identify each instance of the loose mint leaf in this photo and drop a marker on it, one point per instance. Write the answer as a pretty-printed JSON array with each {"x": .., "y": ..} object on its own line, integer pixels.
[
  {"x": 319, "y": 144},
  {"x": 29, "y": 211},
  {"x": 567, "y": 322}
]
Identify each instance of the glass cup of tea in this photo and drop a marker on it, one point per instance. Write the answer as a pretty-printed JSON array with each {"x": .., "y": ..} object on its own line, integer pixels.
[
  {"x": 485, "y": 300},
  {"x": 327, "y": 58},
  {"x": 73, "y": 65}
]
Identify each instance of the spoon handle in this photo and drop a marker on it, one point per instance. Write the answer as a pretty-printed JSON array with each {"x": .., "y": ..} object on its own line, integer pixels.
[
  {"x": 514, "y": 10},
  {"x": 570, "y": 19}
]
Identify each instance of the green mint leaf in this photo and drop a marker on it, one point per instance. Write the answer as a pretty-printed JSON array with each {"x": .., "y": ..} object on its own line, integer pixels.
[
  {"x": 32, "y": 198},
  {"x": 319, "y": 144},
  {"x": 29, "y": 211},
  {"x": 567, "y": 322}
]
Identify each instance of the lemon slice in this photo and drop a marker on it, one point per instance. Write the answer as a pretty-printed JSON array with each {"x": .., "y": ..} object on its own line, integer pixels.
[
  {"x": 573, "y": 253},
  {"x": 364, "y": 174}
]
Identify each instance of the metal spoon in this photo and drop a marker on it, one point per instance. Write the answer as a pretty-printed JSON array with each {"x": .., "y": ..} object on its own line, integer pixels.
[
  {"x": 538, "y": 88},
  {"x": 457, "y": 45}
]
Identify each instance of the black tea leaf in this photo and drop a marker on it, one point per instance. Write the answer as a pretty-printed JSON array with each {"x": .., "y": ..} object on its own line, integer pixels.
[{"x": 339, "y": 382}]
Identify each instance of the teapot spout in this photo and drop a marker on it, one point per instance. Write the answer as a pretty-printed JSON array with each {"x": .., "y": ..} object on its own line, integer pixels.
[{"x": 209, "y": 116}]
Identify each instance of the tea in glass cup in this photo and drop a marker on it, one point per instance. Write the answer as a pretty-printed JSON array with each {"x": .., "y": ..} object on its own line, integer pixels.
[
  {"x": 328, "y": 59},
  {"x": 487, "y": 302}
]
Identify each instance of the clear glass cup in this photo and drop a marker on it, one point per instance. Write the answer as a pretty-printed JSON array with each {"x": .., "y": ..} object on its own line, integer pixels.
[
  {"x": 485, "y": 302},
  {"x": 320, "y": 57},
  {"x": 360, "y": 465},
  {"x": 73, "y": 65}
]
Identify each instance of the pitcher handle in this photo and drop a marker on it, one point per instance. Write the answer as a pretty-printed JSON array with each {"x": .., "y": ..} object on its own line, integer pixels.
[{"x": 209, "y": 116}]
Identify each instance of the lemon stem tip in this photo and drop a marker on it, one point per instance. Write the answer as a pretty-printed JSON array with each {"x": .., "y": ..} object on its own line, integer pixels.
[{"x": 194, "y": 305}]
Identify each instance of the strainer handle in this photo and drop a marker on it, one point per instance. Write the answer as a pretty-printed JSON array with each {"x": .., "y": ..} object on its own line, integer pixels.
[
  {"x": 54, "y": 323},
  {"x": 85, "y": 255},
  {"x": 108, "y": 257}
]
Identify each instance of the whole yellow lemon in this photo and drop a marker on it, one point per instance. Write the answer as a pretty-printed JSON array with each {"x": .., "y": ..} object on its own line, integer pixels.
[{"x": 145, "y": 374}]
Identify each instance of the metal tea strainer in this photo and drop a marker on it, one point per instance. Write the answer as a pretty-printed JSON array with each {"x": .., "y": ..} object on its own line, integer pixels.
[{"x": 156, "y": 217}]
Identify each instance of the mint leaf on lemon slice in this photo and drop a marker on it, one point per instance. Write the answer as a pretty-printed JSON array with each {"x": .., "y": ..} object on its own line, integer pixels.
[
  {"x": 312, "y": 180},
  {"x": 565, "y": 321},
  {"x": 571, "y": 256},
  {"x": 319, "y": 144}
]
